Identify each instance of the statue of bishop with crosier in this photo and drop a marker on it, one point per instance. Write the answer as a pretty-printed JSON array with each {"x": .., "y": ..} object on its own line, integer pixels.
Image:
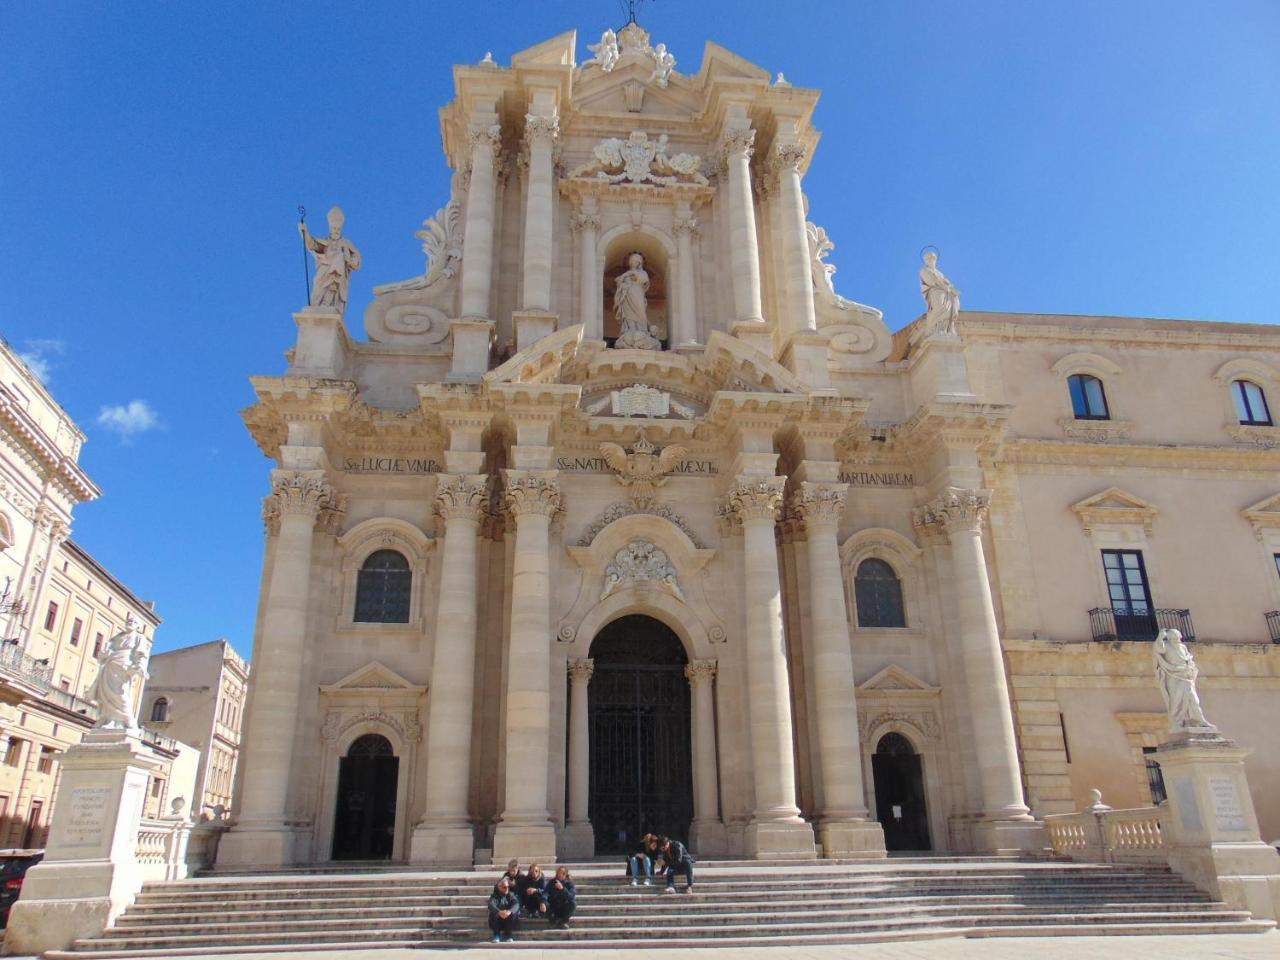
[{"x": 336, "y": 259}]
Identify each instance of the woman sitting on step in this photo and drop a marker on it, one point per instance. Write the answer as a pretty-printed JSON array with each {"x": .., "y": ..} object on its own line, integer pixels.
[
  {"x": 533, "y": 893},
  {"x": 562, "y": 896},
  {"x": 642, "y": 860},
  {"x": 504, "y": 912}
]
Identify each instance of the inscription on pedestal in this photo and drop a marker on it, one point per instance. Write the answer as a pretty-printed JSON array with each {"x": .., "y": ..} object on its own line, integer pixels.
[
  {"x": 87, "y": 816},
  {"x": 1226, "y": 804},
  {"x": 1188, "y": 806}
]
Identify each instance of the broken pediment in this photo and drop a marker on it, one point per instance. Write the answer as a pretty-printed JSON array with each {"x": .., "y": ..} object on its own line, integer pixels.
[
  {"x": 1115, "y": 506},
  {"x": 372, "y": 676},
  {"x": 559, "y": 51}
]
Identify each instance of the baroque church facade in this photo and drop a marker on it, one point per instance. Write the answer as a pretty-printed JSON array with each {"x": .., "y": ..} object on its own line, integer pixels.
[{"x": 620, "y": 519}]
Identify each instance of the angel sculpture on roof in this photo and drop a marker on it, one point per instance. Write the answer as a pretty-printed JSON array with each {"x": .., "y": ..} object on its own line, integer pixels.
[{"x": 605, "y": 52}]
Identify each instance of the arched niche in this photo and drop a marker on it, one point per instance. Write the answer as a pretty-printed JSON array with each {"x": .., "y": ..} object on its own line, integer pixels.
[{"x": 659, "y": 254}]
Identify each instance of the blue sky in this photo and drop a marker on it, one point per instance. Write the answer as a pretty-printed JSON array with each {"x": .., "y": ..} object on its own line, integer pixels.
[{"x": 1082, "y": 157}]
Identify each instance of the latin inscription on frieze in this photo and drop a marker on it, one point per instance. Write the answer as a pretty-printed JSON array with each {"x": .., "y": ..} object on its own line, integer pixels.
[
  {"x": 86, "y": 816},
  {"x": 399, "y": 465},
  {"x": 706, "y": 468},
  {"x": 877, "y": 478}
]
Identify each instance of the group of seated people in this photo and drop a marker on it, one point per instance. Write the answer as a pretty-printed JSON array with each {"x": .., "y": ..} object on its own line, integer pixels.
[
  {"x": 531, "y": 895},
  {"x": 665, "y": 856}
]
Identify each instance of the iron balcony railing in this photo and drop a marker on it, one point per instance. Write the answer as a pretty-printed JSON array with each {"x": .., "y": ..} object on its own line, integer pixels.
[
  {"x": 1273, "y": 624},
  {"x": 1138, "y": 623},
  {"x": 26, "y": 669}
]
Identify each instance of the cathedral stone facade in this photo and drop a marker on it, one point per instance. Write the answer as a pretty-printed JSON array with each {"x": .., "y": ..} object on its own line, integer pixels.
[{"x": 619, "y": 518}]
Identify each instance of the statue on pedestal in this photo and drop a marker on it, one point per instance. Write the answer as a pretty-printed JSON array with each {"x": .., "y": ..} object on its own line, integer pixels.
[
  {"x": 941, "y": 298},
  {"x": 122, "y": 669},
  {"x": 630, "y": 307},
  {"x": 336, "y": 259},
  {"x": 1177, "y": 672}
]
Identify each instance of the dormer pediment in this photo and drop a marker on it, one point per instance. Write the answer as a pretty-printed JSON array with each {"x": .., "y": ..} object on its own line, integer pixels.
[
  {"x": 1115, "y": 506},
  {"x": 372, "y": 676},
  {"x": 897, "y": 679}
]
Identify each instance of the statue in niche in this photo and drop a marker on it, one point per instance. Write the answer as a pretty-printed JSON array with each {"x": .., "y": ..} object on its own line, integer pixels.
[
  {"x": 630, "y": 307},
  {"x": 941, "y": 298},
  {"x": 336, "y": 259},
  {"x": 123, "y": 663},
  {"x": 1177, "y": 672}
]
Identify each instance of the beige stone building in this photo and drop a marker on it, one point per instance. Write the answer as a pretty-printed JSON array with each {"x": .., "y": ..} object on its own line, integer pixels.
[
  {"x": 59, "y": 605},
  {"x": 620, "y": 518},
  {"x": 197, "y": 696}
]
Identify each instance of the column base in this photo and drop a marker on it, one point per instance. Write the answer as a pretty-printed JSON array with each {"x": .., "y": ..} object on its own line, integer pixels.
[
  {"x": 532, "y": 325},
  {"x": 64, "y": 902},
  {"x": 526, "y": 842},
  {"x": 257, "y": 847},
  {"x": 708, "y": 838},
  {"x": 442, "y": 844},
  {"x": 852, "y": 838},
  {"x": 577, "y": 841},
  {"x": 757, "y": 333},
  {"x": 1009, "y": 836},
  {"x": 779, "y": 840}
]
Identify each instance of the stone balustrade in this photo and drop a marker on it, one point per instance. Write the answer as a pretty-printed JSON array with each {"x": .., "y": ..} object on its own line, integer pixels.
[
  {"x": 1101, "y": 834},
  {"x": 175, "y": 849}
]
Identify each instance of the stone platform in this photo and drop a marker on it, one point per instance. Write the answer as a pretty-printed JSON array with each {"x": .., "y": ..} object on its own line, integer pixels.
[{"x": 734, "y": 904}]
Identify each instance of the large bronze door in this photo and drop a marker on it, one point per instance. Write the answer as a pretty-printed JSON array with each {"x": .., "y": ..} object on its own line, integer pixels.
[{"x": 638, "y": 701}]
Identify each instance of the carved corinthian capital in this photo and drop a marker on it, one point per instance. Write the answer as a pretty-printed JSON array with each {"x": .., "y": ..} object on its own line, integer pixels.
[
  {"x": 787, "y": 157},
  {"x": 489, "y": 137},
  {"x": 541, "y": 129},
  {"x": 583, "y": 221},
  {"x": 755, "y": 498},
  {"x": 737, "y": 144},
  {"x": 463, "y": 497},
  {"x": 531, "y": 492},
  {"x": 699, "y": 672},
  {"x": 820, "y": 504},
  {"x": 955, "y": 510},
  {"x": 687, "y": 225},
  {"x": 580, "y": 671},
  {"x": 300, "y": 493}
]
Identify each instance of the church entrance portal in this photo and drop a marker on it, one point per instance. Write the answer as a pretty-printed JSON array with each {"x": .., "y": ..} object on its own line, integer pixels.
[
  {"x": 364, "y": 823},
  {"x": 638, "y": 704},
  {"x": 900, "y": 806}
]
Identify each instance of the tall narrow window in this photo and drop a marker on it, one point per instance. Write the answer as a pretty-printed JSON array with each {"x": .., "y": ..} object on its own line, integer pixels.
[
  {"x": 51, "y": 616},
  {"x": 383, "y": 588},
  {"x": 77, "y": 627},
  {"x": 1251, "y": 403},
  {"x": 1088, "y": 399},
  {"x": 160, "y": 710},
  {"x": 1130, "y": 593},
  {"x": 877, "y": 591},
  {"x": 1155, "y": 777}
]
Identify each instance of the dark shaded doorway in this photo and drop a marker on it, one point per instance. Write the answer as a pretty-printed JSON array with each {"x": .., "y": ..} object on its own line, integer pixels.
[
  {"x": 638, "y": 705},
  {"x": 364, "y": 825},
  {"x": 900, "y": 805}
]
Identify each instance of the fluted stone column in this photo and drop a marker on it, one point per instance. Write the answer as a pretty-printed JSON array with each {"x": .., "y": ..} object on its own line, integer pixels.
[
  {"x": 261, "y": 834},
  {"x": 1007, "y": 822},
  {"x": 843, "y": 828},
  {"x": 684, "y": 332},
  {"x": 525, "y": 829},
  {"x": 738, "y": 146},
  {"x": 540, "y": 133},
  {"x": 776, "y": 829},
  {"x": 707, "y": 828},
  {"x": 787, "y": 160},
  {"x": 590, "y": 279},
  {"x": 445, "y": 834},
  {"x": 477, "y": 246},
  {"x": 579, "y": 837}
]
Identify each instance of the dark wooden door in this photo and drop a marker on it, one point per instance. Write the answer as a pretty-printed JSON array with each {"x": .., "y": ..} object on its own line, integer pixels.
[
  {"x": 364, "y": 824},
  {"x": 900, "y": 803}
]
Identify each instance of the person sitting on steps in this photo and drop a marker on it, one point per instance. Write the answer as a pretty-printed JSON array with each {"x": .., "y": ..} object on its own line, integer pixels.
[
  {"x": 533, "y": 893},
  {"x": 504, "y": 912},
  {"x": 562, "y": 894},
  {"x": 514, "y": 876},
  {"x": 675, "y": 858},
  {"x": 642, "y": 860}
]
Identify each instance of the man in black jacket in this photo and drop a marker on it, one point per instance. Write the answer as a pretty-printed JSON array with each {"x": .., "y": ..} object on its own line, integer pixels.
[
  {"x": 677, "y": 859},
  {"x": 563, "y": 897},
  {"x": 504, "y": 911}
]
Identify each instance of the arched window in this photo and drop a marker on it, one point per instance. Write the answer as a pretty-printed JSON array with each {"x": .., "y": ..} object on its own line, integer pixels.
[
  {"x": 383, "y": 588},
  {"x": 1251, "y": 403},
  {"x": 1088, "y": 399},
  {"x": 160, "y": 710},
  {"x": 878, "y": 595}
]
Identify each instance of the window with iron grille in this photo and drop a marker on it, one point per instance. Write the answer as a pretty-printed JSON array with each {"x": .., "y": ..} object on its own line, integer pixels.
[
  {"x": 877, "y": 593},
  {"x": 1155, "y": 777},
  {"x": 383, "y": 588}
]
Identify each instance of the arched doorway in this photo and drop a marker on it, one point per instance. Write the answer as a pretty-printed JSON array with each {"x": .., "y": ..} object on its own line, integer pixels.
[
  {"x": 900, "y": 805},
  {"x": 364, "y": 823},
  {"x": 638, "y": 706}
]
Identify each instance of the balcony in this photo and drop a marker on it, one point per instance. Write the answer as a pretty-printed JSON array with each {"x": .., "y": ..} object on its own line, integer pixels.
[
  {"x": 1273, "y": 624},
  {"x": 22, "y": 677},
  {"x": 1109, "y": 624}
]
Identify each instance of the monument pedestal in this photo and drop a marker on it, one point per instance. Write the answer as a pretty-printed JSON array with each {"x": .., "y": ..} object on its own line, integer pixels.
[
  {"x": 1211, "y": 829},
  {"x": 323, "y": 344},
  {"x": 852, "y": 838},
  {"x": 90, "y": 872},
  {"x": 938, "y": 370},
  {"x": 779, "y": 840}
]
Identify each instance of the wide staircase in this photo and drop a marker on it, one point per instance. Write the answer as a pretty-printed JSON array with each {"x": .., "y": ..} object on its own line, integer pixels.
[{"x": 732, "y": 904}]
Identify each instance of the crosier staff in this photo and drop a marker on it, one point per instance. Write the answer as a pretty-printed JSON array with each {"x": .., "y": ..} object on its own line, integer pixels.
[{"x": 306, "y": 267}]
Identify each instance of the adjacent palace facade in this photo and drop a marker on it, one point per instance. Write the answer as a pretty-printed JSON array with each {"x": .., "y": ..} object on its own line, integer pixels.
[{"x": 619, "y": 518}]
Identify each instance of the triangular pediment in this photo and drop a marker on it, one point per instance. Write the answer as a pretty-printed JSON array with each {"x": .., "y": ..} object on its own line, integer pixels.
[
  {"x": 630, "y": 90},
  {"x": 556, "y": 52},
  {"x": 1116, "y": 506},
  {"x": 1265, "y": 513},
  {"x": 372, "y": 676},
  {"x": 720, "y": 63},
  {"x": 895, "y": 678}
]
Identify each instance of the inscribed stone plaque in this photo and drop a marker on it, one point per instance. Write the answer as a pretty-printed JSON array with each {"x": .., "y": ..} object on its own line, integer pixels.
[
  {"x": 1226, "y": 804},
  {"x": 87, "y": 818},
  {"x": 1188, "y": 807}
]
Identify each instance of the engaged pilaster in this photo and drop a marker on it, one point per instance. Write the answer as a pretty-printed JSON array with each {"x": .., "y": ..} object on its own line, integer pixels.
[
  {"x": 684, "y": 325},
  {"x": 785, "y": 165},
  {"x": 579, "y": 837},
  {"x": 445, "y": 834},
  {"x": 844, "y": 828},
  {"x": 587, "y": 225},
  {"x": 776, "y": 829},
  {"x": 737, "y": 147},
  {"x": 540, "y": 134},
  {"x": 707, "y": 830},
  {"x": 477, "y": 247}
]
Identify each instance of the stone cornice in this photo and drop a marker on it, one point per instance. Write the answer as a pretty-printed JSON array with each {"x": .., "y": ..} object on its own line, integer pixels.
[
  {"x": 972, "y": 426},
  {"x": 1029, "y": 450},
  {"x": 42, "y": 448},
  {"x": 977, "y": 326}
]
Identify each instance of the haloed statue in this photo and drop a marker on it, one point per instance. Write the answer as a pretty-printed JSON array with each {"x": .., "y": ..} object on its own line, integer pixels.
[{"x": 122, "y": 671}]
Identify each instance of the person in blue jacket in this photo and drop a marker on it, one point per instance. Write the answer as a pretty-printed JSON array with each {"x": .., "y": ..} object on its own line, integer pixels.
[
  {"x": 533, "y": 893},
  {"x": 562, "y": 896},
  {"x": 504, "y": 911}
]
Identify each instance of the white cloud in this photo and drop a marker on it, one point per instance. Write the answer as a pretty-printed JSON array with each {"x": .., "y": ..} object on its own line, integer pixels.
[
  {"x": 38, "y": 356},
  {"x": 128, "y": 419}
]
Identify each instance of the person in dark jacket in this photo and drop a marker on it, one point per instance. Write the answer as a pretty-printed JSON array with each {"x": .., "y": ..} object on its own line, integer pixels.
[
  {"x": 533, "y": 893},
  {"x": 562, "y": 896},
  {"x": 676, "y": 858},
  {"x": 641, "y": 862},
  {"x": 504, "y": 911}
]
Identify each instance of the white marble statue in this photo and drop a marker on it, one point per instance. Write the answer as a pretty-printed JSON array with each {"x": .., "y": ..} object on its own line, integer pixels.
[
  {"x": 630, "y": 307},
  {"x": 1177, "y": 672},
  {"x": 336, "y": 259},
  {"x": 121, "y": 672},
  {"x": 663, "y": 64},
  {"x": 942, "y": 299},
  {"x": 605, "y": 52}
]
